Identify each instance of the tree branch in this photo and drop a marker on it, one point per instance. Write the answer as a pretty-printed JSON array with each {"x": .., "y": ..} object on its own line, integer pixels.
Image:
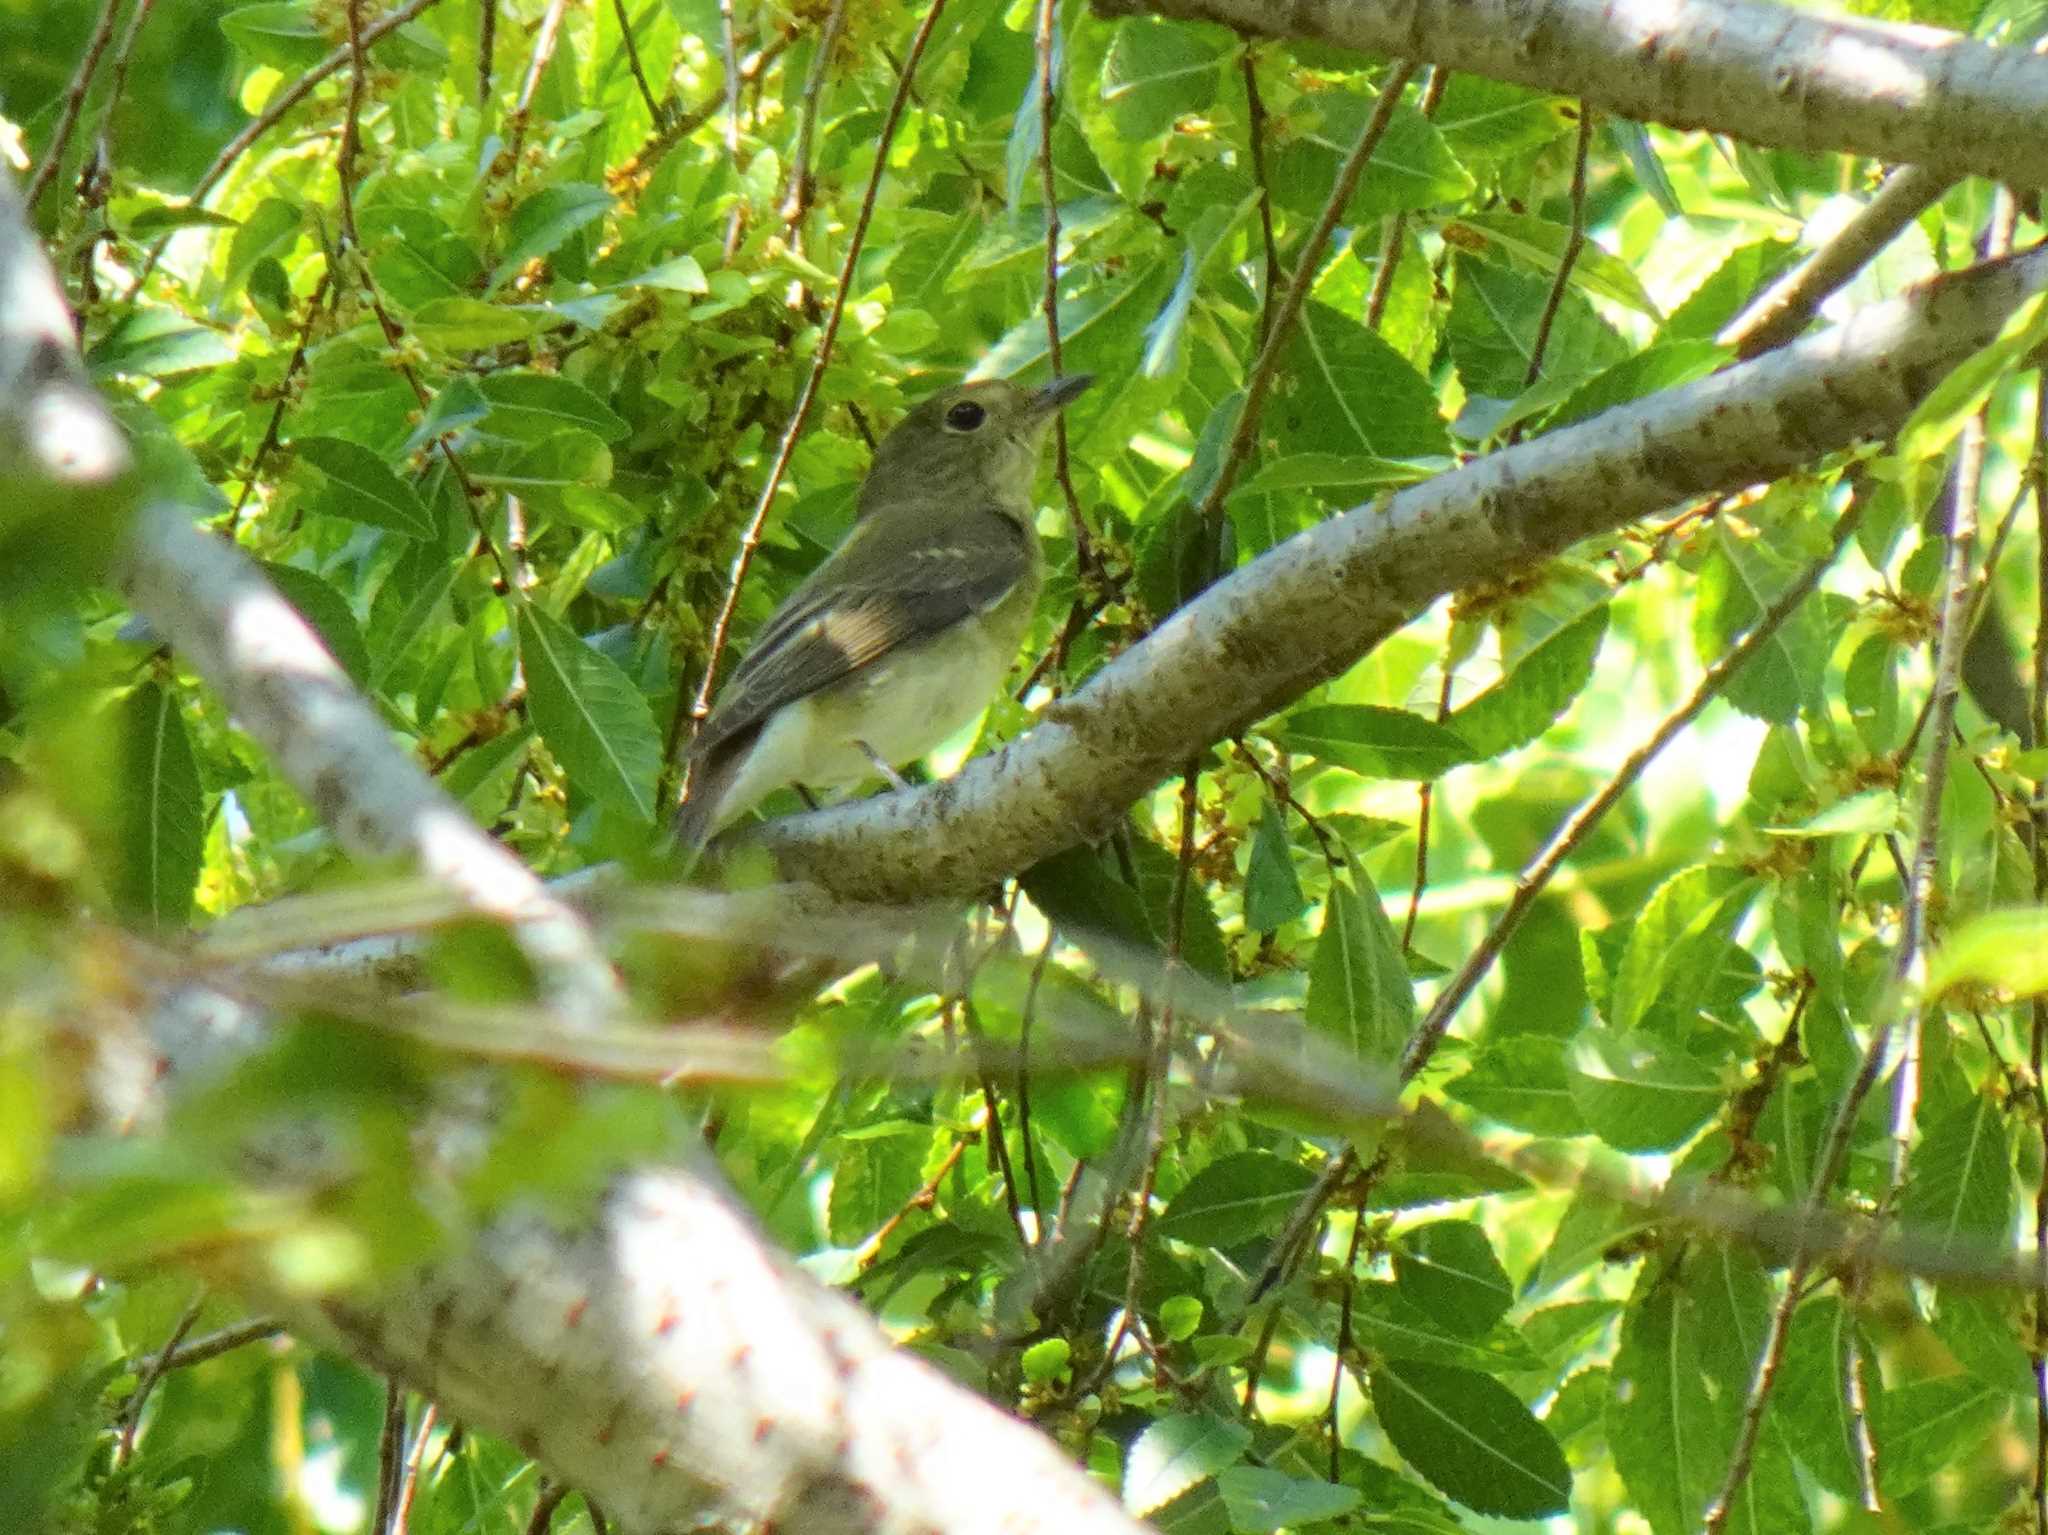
[
  {"x": 1764, "y": 73},
  {"x": 1308, "y": 609}
]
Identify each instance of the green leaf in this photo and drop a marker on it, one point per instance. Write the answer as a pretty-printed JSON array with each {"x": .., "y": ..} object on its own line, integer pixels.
[
  {"x": 2004, "y": 949},
  {"x": 1812, "y": 1392},
  {"x": 158, "y": 343},
  {"x": 328, "y": 612},
  {"x": 1639, "y": 1092},
  {"x": 1873, "y": 813},
  {"x": 1156, "y": 71},
  {"x": 1262, "y": 1502},
  {"x": 1411, "y": 168},
  {"x": 1744, "y": 273},
  {"x": 361, "y": 488},
  {"x": 162, "y": 829},
  {"x": 1530, "y": 699},
  {"x": 1741, "y": 579},
  {"x": 679, "y": 274},
  {"x": 1495, "y": 314},
  {"x": 1272, "y": 890},
  {"x": 1485, "y": 121},
  {"x": 1175, "y": 1453},
  {"x": 1927, "y": 1427},
  {"x": 1523, "y": 1083},
  {"x": 1359, "y": 992},
  {"x": 534, "y": 406},
  {"x": 1351, "y": 395},
  {"x": 1162, "y": 354},
  {"x": 594, "y": 721},
  {"x": 283, "y": 35},
  {"x": 1679, "y": 951},
  {"x": 1372, "y": 741},
  {"x": 540, "y": 225},
  {"x": 1447, "y": 1268},
  {"x": 1667, "y": 1427},
  {"x": 463, "y": 325},
  {"x": 1541, "y": 244},
  {"x": 1341, "y": 474},
  {"x": 1235, "y": 1200},
  {"x": 1959, "y": 1196},
  {"x": 1045, "y": 1361},
  {"x": 1471, "y": 1439}
]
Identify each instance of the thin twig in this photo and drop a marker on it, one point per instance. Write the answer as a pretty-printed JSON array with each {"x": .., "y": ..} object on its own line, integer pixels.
[
  {"x": 729, "y": 48},
  {"x": 801, "y": 184},
  {"x": 2037, "y": 1047},
  {"x": 409, "y": 1485},
  {"x": 544, "y": 42},
  {"x": 117, "y": 83},
  {"x": 1533, "y": 879},
  {"x": 633, "y": 62},
  {"x": 390, "y": 1458},
  {"x": 352, "y": 125},
  {"x": 74, "y": 103},
  {"x": 276, "y": 109},
  {"x": 750, "y": 540},
  {"x": 1048, "y": 113},
  {"x": 1575, "y": 241},
  {"x": 273, "y": 429},
  {"x": 214, "y": 1344},
  {"x": 1255, "y": 132},
  {"x": 1260, "y": 382},
  {"x": 1425, "y": 796},
  {"x": 1959, "y": 536},
  {"x": 486, "y": 45},
  {"x": 1343, "y": 1346},
  {"x": 131, "y": 1410},
  {"x": 550, "y": 1499},
  {"x": 1026, "y": 1016},
  {"x": 1790, "y": 303},
  {"x": 1393, "y": 242}
]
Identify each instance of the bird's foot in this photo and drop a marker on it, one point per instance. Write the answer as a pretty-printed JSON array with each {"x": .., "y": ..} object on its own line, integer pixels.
[{"x": 890, "y": 776}]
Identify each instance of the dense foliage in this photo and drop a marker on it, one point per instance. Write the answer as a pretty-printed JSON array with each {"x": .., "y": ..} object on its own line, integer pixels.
[{"x": 485, "y": 347}]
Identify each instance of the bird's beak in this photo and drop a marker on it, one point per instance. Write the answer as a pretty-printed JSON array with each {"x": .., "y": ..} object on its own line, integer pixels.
[{"x": 1060, "y": 393}]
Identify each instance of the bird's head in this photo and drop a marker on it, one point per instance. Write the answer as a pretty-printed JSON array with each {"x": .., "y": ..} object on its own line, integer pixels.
[{"x": 976, "y": 440}]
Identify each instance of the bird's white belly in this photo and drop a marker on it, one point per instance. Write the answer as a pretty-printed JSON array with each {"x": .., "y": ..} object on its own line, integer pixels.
[{"x": 900, "y": 707}]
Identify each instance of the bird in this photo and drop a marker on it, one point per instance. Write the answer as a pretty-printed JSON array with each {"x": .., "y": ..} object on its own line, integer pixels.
[{"x": 906, "y": 630}]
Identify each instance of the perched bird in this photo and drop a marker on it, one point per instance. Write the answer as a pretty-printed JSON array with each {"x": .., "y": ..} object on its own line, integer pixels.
[{"x": 906, "y": 630}]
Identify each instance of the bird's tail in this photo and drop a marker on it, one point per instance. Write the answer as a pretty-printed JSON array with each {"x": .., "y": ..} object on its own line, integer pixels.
[{"x": 711, "y": 775}]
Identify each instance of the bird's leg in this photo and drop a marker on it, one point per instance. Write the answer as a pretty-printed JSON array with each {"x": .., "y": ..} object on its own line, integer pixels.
[
  {"x": 810, "y": 800},
  {"x": 889, "y": 774}
]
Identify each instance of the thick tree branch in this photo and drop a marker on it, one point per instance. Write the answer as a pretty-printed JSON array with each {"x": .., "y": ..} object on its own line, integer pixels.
[
  {"x": 1765, "y": 73},
  {"x": 1311, "y": 607}
]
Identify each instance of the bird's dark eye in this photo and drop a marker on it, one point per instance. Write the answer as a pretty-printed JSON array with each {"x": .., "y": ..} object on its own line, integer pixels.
[{"x": 965, "y": 416}]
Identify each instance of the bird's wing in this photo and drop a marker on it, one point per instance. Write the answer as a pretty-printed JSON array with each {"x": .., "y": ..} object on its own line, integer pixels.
[{"x": 870, "y": 597}]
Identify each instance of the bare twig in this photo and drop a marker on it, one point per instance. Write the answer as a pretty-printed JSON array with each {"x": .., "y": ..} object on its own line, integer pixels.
[
  {"x": 117, "y": 84},
  {"x": 544, "y": 42},
  {"x": 131, "y": 1410},
  {"x": 409, "y": 1484},
  {"x": 729, "y": 51},
  {"x": 550, "y": 1499},
  {"x": 654, "y": 109},
  {"x": 390, "y": 1458},
  {"x": 1789, "y": 304},
  {"x": 1575, "y": 242},
  {"x": 74, "y": 103},
  {"x": 801, "y": 187},
  {"x": 1533, "y": 880},
  {"x": 1048, "y": 114},
  {"x": 280, "y": 105},
  {"x": 214, "y": 1344},
  {"x": 1260, "y": 382},
  {"x": 1393, "y": 241},
  {"x": 2037, "y": 1040},
  {"x": 486, "y": 45},
  {"x": 750, "y": 540},
  {"x": 352, "y": 125},
  {"x": 1255, "y": 132},
  {"x": 1959, "y": 537}
]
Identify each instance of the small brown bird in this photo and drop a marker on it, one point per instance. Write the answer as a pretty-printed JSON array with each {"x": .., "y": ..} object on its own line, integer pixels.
[{"x": 906, "y": 630}]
